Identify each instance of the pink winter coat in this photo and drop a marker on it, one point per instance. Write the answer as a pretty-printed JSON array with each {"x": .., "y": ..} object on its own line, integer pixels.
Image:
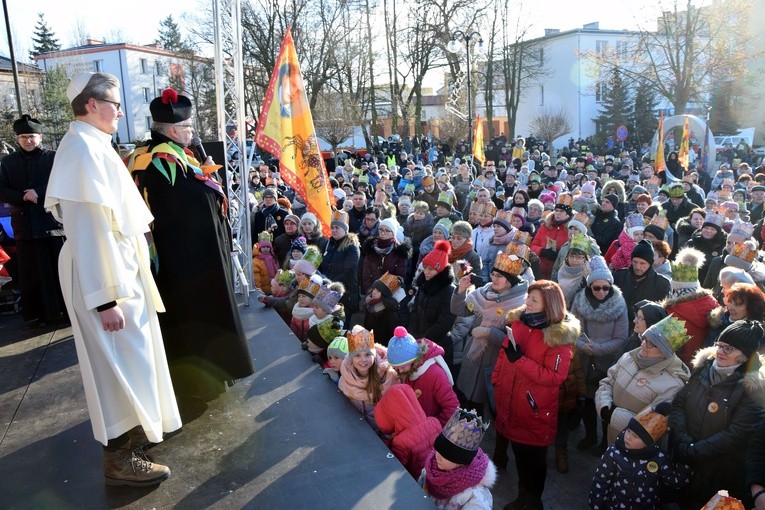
[
  {"x": 432, "y": 384},
  {"x": 399, "y": 413}
]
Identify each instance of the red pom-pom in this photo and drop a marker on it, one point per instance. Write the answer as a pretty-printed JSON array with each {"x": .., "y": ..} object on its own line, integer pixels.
[
  {"x": 169, "y": 96},
  {"x": 444, "y": 246},
  {"x": 400, "y": 332}
]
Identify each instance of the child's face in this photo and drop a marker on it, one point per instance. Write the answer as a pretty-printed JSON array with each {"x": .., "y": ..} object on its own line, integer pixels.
[
  {"x": 265, "y": 249},
  {"x": 304, "y": 300},
  {"x": 376, "y": 294},
  {"x": 297, "y": 255},
  {"x": 637, "y": 236},
  {"x": 335, "y": 362},
  {"x": 445, "y": 465},
  {"x": 516, "y": 221},
  {"x": 363, "y": 361},
  {"x": 632, "y": 441},
  {"x": 403, "y": 369},
  {"x": 278, "y": 288},
  {"x": 586, "y": 194},
  {"x": 318, "y": 312}
]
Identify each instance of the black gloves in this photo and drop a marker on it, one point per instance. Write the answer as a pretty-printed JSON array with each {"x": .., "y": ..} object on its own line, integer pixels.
[
  {"x": 606, "y": 412},
  {"x": 513, "y": 352},
  {"x": 549, "y": 254},
  {"x": 685, "y": 452}
]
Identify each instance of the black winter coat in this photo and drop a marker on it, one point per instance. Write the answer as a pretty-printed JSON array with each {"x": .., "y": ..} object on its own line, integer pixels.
[
  {"x": 340, "y": 264},
  {"x": 674, "y": 213},
  {"x": 282, "y": 247},
  {"x": 606, "y": 228},
  {"x": 710, "y": 247},
  {"x": 710, "y": 427},
  {"x": 431, "y": 315},
  {"x": 654, "y": 287}
]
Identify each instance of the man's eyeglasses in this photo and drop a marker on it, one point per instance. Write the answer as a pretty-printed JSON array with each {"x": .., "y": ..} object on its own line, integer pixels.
[{"x": 116, "y": 104}]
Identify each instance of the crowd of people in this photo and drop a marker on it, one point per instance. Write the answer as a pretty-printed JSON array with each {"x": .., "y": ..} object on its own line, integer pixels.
[{"x": 540, "y": 295}]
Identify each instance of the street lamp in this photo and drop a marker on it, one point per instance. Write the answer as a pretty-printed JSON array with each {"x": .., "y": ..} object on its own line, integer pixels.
[{"x": 454, "y": 46}]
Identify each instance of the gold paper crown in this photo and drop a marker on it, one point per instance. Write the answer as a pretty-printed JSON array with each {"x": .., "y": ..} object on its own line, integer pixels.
[
  {"x": 521, "y": 237},
  {"x": 723, "y": 195},
  {"x": 520, "y": 211},
  {"x": 390, "y": 281},
  {"x": 487, "y": 208},
  {"x": 511, "y": 261},
  {"x": 359, "y": 339},
  {"x": 744, "y": 252},
  {"x": 428, "y": 180},
  {"x": 580, "y": 242},
  {"x": 465, "y": 429},
  {"x": 340, "y": 216},
  {"x": 660, "y": 220},
  {"x": 309, "y": 287},
  {"x": 583, "y": 217},
  {"x": 565, "y": 199},
  {"x": 503, "y": 215}
]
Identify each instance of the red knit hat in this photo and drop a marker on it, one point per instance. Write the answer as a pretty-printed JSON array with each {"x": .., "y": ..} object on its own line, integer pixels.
[{"x": 438, "y": 259}]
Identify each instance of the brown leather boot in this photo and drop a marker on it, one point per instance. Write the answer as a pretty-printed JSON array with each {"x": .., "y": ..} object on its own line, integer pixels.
[
  {"x": 125, "y": 467},
  {"x": 561, "y": 459},
  {"x": 140, "y": 444}
]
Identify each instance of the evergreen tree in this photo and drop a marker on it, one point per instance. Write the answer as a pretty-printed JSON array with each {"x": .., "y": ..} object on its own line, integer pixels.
[
  {"x": 645, "y": 121},
  {"x": 616, "y": 107},
  {"x": 56, "y": 110},
  {"x": 170, "y": 37},
  {"x": 43, "y": 38}
]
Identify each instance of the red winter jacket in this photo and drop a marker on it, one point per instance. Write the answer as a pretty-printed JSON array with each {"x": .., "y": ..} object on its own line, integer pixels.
[
  {"x": 526, "y": 391},
  {"x": 399, "y": 413},
  {"x": 694, "y": 309},
  {"x": 432, "y": 386},
  {"x": 558, "y": 234}
]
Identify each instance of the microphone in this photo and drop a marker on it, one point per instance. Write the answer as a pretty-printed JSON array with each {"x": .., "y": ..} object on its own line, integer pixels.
[{"x": 198, "y": 149}]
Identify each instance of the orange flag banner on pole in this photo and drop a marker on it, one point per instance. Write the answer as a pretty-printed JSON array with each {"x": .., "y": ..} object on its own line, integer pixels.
[
  {"x": 684, "y": 155},
  {"x": 478, "y": 141},
  {"x": 659, "y": 158},
  {"x": 286, "y": 130}
]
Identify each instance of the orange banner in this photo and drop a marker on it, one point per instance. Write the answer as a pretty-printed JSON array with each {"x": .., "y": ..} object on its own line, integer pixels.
[
  {"x": 659, "y": 160},
  {"x": 478, "y": 141},
  {"x": 683, "y": 156},
  {"x": 285, "y": 129}
]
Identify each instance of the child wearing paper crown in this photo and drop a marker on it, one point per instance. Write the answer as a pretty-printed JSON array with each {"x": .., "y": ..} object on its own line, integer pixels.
[
  {"x": 326, "y": 321},
  {"x": 381, "y": 306},
  {"x": 336, "y": 353},
  {"x": 264, "y": 264},
  {"x": 302, "y": 311},
  {"x": 420, "y": 364},
  {"x": 400, "y": 416},
  {"x": 633, "y": 470},
  {"x": 458, "y": 474},
  {"x": 365, "y": 374}
]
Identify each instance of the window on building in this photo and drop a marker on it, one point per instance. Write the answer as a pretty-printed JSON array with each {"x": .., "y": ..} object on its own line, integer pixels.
[
  {"x": 622, "y": 50},
  {"x": 541, "y": 95},
  {"x": 98, "y": 66},
  {"x": 601, "y": 48},
  {"x": 146, "y": 94},
  {"x": 158, "y": 68},
  {"x": 144, "y": 66},
  {"x": 148, "y": 122},
  {"x": 541, "y": 57},
  {"x": 600, "y": 92}
]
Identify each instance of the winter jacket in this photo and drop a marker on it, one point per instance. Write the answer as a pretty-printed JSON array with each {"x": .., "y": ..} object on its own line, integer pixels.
[
  {"x": 283, "y": 247},
  {"x": 354, "y": 387},
  {"x": 561, "y": 258},
  {"x": 571, "y": 280},
  {"x": 573, "y": 387},
  {"x": 547, "y": 242},
  {"x": 628, "y": 389},
  {"x": 480, "y": 352},
  {"x": 606, "y": 328},
  {"x": 383, "y": 318},
  {"x": 318, "y": 240},
  {"x": 632, "y": 479},
  {"x": 399, "y": 414},
  {"x": 432, "y": 383},
  {"x": 375, "y": 265},
  {"x": 605, "y": 229},
  {"x": 526, "y": 391},
  {"x": 418, "y": 230},
  {"x": 652, "y": 287},
  {"x": 477, "y": 497},
  {"x": 431, "y": 317},
  {"x": 710, "y": 426},
  {"x": 619, "y": 254},
  {"x": 260, "y": 275},
  {"x": 695, "y": 309},
  {"x": 684, "y": 230},
  {"x": 674, "y": 213},
  {"x": 711, "y": 248},
  {"x": 340, "y": 264}
]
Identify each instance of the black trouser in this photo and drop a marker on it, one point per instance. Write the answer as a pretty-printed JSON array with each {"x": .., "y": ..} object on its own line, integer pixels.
[{"x": 531, "y": 463}]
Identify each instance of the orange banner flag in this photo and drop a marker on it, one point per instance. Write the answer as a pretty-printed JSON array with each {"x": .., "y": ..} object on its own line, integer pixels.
[
  {"x": 478, "y": 141},
  {"x": 683, "y": 156},
  {"x": 286, "y": 130},
  {"x": 659, "y": 160}
]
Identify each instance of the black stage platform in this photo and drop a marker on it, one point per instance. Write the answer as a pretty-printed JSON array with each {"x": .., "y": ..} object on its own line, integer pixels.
[{"x": 282, "y": 439}]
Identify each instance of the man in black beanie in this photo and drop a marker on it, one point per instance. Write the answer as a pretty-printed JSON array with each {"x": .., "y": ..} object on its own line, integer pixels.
[
  {"x": 607, "y": 225},
  {"x": 23, "y": 182},
  {"x": 641, "y": 281}
]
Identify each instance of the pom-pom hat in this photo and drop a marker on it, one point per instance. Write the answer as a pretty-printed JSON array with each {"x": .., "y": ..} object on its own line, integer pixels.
[
  {"x": 597, "y": 269},
  {"x": 402, "y": 348},
  {"x": 650, "y": 425},
  {"x": 170, "y": 107},
  {"x": 668, "y": 335},
  {"x": 438, "y": 258},
  {"x": 299, "y": 244},
  {"x": 461, "y": 437},
  {"x": 685, "y": 271}
]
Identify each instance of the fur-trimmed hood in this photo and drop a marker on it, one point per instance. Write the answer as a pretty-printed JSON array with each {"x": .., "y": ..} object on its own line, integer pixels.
[
  {"x": 754, "y": 369},
  {"x": 609, "y": 310},
  {"x": 403, "y": 249},
  {"x": 620, "y": 191},
  {"x": 565, "y": 332},
  {"x": 685, "y": 298},
  {"x": 715, "y": 318}
]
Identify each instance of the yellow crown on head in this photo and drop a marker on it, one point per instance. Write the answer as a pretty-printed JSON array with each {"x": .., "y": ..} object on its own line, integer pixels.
[
  {"x": 565, "y": 199},
  {"x": 390, "y": 281},
  {"x": 340, "y": 216},
  {"x": 521, "y": 237},
  {"x": 512, "y": 260},
  {"x": 744, "y": 252},
  {"x": 583, "y": 217},
  {"x": 660, "y": 220},
  {"x": 503, "y": 215},
  {"x": 309, "y": 287},
  {"x": 580, "y": 242},
  {"x": 360, "y": 339},
  {"x": 479, "y": 208}
]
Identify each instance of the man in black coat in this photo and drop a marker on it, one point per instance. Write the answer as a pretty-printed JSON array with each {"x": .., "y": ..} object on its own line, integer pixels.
[
  {"x": 641, "y": 281},
  {"x": 283, "y": 243},
  {"x": 269, "y": 216},
  {"x": 678, "y": 206},
  {"x": 23, "y": 182},
  {"x": 607, "y": 225}
]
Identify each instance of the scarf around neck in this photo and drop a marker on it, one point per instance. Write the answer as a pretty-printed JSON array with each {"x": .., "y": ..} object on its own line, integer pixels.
[
  {"x": 534, "y": 320},
  {"x": 459, "y": 253},
  {"x": 505, "y": 239},
  {"x": 447, "y": 484},
  {"x": 718, "y": 374},
  {"x": 383, "y": 247},
  {"x": 647, "y": 362}
]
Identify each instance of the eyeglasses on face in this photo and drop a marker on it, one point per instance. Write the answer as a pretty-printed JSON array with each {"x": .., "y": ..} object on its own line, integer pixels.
[
  {"x": 116, "y": 104},
  {"x": 598, "y": 288},
  {"x": 648, "y": 343},
  {"x": 727, "y": 349}
]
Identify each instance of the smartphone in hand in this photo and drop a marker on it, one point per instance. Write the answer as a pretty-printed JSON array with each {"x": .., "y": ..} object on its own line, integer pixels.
[{"x": 510, "y": 337}]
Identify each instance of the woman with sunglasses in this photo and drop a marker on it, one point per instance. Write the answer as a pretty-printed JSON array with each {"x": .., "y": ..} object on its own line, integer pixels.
[
  {"x": 601, "y": 309},
  {"x": 715, "y": 414},
  {"x": 644, "y": 376}
]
